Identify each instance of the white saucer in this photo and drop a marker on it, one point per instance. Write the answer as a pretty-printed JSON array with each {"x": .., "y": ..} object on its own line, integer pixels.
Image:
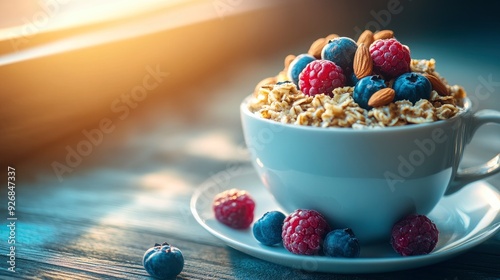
[{"x": 464, "y": 219}]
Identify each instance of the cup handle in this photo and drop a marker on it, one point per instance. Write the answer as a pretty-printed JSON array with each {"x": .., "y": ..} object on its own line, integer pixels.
[{"x": 468, "y": 175}]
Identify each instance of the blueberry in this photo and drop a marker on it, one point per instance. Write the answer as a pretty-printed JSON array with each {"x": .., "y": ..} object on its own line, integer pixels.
[
  {"x": 341, "y": 50},
  {"x": 267, "y": 229},
  {"x": 412, "y": 86},
  {"x": 341, "y": 243},
  {"x": 297, "y": 65},
  {"x": 365, "y": 88},
  {"x": 351, "y": 80},
  {"x": 163, "y": 261}
]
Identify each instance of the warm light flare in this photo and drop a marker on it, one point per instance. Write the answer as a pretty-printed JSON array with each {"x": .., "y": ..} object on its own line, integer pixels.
[
  {"x": 113, "y": 20},
  {"x": 52, "y": 15}
]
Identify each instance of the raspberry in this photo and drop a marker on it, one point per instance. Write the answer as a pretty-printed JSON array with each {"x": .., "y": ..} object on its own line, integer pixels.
[
  {"x": 390, "y": 58},
  {"x": 304, "y": 231},
  {"x": 321, "y": 76},
  {"x": 234, "y": 208},
  {"x": 414, "y": 235}
]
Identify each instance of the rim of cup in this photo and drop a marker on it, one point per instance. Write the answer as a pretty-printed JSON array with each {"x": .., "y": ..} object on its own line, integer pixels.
[{"x": 466, "y": 108}]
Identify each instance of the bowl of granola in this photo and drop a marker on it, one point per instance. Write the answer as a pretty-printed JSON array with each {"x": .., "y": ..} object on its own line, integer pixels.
[{"x": 363, "y": 147}]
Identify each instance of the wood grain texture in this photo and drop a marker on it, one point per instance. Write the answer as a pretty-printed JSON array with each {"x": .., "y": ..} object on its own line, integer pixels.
[{"x": 134, "y": 188}]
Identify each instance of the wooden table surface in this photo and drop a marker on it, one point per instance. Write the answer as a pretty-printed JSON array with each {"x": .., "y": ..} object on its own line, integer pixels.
[
  {"x": 134, "y": 187},
  {"x": 134, "y": 190}
]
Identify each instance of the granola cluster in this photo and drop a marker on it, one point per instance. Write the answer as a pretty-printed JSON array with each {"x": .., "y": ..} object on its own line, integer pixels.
[{"x": 283, "y": 102}]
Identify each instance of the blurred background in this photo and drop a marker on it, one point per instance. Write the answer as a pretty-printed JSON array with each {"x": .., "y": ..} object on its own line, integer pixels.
[{"x": 78, "y": 72}]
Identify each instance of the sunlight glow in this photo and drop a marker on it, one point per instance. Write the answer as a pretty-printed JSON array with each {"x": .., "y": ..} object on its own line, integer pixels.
[
  {"x": 144, "y": 17},
  {"x": 59, "y": 15},
  {"x": 216, "y": 145}
]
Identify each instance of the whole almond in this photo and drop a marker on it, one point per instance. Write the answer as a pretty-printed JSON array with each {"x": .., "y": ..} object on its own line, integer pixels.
[
  {"x": 363, "y": 64},
  {"x": 437, "y": 84},
  {"x": 383, "y": 34},
  {"x": 366, "y": 38},
  {"x": 331, "y": 37},
  {"x": 316, "y": 47},
  {"x": 288, "y": 60},
  {"x": 382, "y": 97}
]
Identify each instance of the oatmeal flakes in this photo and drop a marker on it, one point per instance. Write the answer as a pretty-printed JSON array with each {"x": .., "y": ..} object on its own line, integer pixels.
[
  {"x": 446, "y": 111},
  {"x": 423, "y": 65},
  {"x": 286, "y": 104}
]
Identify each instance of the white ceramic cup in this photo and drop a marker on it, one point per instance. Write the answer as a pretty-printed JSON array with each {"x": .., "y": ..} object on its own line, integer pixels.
[{"x": 365, "y": 179}]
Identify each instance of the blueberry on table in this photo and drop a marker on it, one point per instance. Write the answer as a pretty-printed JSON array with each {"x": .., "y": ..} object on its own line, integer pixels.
[
  {"x": 163, "y": 261},
  {"x": 267, "y": 229},
  {"x": 365, "y": 88},
  {"x": 412, "y": 86},
  {"x": 341, "y": 243}
]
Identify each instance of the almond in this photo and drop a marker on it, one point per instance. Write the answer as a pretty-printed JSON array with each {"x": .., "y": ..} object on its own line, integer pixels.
[
  {"x": 437, "y": 84},
  {"x": 382, "y": 97},
  {"x": 288, "y": 60},
  {"x": 316, "y": 47},
  {"x": 331, "y": 37},
  {"x": 366, "y": 38},
  {"x": 460, "y": 92},
  {"x": 383, "y": 34},
  {"x": 363, "y": 64}
]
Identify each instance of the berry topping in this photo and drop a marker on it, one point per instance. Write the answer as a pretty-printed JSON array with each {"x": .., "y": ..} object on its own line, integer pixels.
[
  {"x": 365, "y": 88},
  {"x": 412, "y": 86},
  {"x": 297, "y": 65},
  {"x": 303, "y": 232},
  {"x": 351, "y": 80},
  {"x": 341, "y": 243},
  {"x": 163, "y": 261},
  {"x": 234, "y": 208},
  {"x": 414, "y": 235},
  {"x": 267, "y": 230},
  {"x": 341, "y": 51},
  {"x": 390, "y": 58},
  {"x": 321, "y": 76}
]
